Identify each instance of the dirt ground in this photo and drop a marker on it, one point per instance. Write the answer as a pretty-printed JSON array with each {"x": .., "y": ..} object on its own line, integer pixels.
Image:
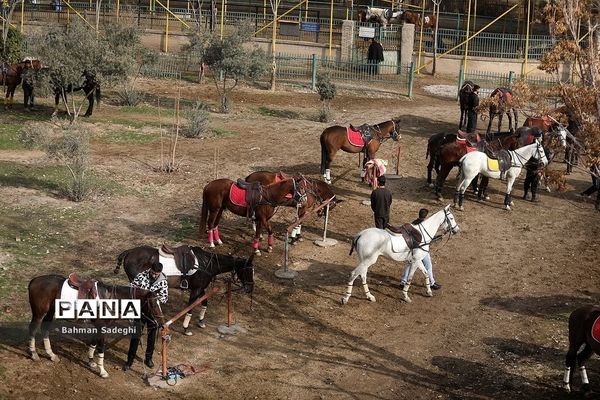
[{"x": 497, "y": 329}]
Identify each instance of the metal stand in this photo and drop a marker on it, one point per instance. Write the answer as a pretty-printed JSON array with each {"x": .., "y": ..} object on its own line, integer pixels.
[
  {"x": 284, "y": 273},
  {"x": 397, "y": 174},
  {"x": 326, "y": 242}
]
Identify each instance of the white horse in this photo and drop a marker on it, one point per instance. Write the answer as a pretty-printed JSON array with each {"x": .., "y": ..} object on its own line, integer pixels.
[
  {"x": 476, "y": 162},
  {"x": 373, "y": 242},
  {"x": 379, "y": 15}
]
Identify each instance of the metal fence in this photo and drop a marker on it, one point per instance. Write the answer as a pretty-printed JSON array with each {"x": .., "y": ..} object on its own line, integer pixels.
[{"x": 394, "y": 77}]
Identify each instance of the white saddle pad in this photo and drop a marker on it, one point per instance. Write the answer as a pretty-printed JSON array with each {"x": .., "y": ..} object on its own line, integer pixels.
[
  {"x": 169, "y": 267},
  {"x": 68, "y": 293},
  {"x": 398, "y": 243}
]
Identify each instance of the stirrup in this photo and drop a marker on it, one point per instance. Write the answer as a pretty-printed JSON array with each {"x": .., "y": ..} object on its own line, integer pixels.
[{"x": 184, "y": 284}]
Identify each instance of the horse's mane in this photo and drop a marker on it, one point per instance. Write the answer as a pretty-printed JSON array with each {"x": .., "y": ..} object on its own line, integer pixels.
[
  {"x": 222, "y": 259},
  {"x": 122, "y": 291}
]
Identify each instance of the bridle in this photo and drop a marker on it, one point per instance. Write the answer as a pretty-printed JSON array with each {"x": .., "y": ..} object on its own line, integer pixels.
[
  {"x": 449, "y": 229},
  {"x": 394, "y": 135},
  {"x": 538, "y": 155}
]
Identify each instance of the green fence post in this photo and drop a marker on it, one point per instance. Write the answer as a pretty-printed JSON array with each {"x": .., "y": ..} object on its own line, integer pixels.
[
  {"x": 411, "y": 76},
  {"x": 314, "y": 72},
  {"x": 510, "y": 77}
]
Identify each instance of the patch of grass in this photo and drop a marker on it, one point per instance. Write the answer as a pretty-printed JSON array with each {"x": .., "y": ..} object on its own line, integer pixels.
[
  {"x": 133, "y": 123},
  {"x": 272, "y": 112},
  {"x": 9, "y": 136},
  {"x": 188, "y": 228},
  {"x": 32, "y": 176},
  {"x": 147, "y": 110},
  {"x": 128, "y": 137},
  {"x": 218, "y": 132}
]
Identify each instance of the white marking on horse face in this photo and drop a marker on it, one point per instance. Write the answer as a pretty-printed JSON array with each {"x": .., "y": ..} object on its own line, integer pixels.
[{"x": 562, "y": 134}]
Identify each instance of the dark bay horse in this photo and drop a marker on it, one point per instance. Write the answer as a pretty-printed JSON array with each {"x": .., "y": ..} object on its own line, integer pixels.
[
  {"x": 91, "y": 90},
  {"x": 43, "y": 290},
  {"x": 206, "y": 267},
  {"x": 335, "y": 138},
  {"x": 317, "y": 192},
  {"x": 215, "y": 200},
  {"x": 434, "y": 144},
  {"x": 504, "y": 103},
  {"x": 463, "y": 98},
  {"x": 583, "y": 330},
  {"x": 11, "y": 77}
]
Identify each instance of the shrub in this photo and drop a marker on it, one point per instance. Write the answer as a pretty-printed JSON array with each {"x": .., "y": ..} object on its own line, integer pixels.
[
  {"x": 196, "y": 121},
  {"x": 325, "y": 114},
  {"x": 130, "y": 96}
]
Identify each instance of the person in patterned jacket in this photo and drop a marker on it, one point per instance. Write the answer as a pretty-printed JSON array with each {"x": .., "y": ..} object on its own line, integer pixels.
[{"x": 152, "y": 279}]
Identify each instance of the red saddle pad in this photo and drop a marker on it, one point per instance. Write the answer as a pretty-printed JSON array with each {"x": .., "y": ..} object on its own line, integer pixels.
[
  {"x": 237, "y": 195},
  {"x": 355, "y": 138},
  {"x": 464, "y": 142},
  {"x": 596, "y": 330}
]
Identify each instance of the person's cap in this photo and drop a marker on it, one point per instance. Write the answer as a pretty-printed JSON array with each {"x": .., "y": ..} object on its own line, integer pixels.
[
  {"x": 537, "y": 132},
  {"x": 381, "y": 180}
]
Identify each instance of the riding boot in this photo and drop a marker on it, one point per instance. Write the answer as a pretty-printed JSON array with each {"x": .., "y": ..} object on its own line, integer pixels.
[
  {"x": 525, "y": 195},
  {"x": 461, "y": 198},
  {"x": 133, "y": 346},
  {"x": 150, "y": 348},
  {"x": 534, "y": 198}
]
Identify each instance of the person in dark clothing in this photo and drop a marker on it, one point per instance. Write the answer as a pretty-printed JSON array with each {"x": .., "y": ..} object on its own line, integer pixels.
[
  {"x": 381, "y": 200},
  {"x": 374, "y": 56},
  {"x": 152, "y": 279},
  {"x": 473, "y": 103},
  {"x": 532, "y": 179},
  {"x": 595, "y": 188}
]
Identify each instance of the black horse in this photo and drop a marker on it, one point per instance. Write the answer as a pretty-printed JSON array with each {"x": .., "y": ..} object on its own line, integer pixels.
[
  {"x": 581, "y": 332},
  {"x": 45, "y": 289},
  {"x": 207, "y": 266},
  {"x": 464, "y": 95},
  {"x": 90, "y": 87}
]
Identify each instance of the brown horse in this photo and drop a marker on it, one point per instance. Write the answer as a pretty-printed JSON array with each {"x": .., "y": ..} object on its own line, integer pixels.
[
  {"x": 45, "y": 289},
  {"x": 581, "y": 332},
  {"x": 451, "y": 153},
  {"x": 434, "y": 144},
  {"x": 545, "y": 123},
  {"x": 463, "y": 98},
  {"x": 504, "y": 103},
  {"x": 335, "y": 138},
  {"x": 317, "y": 192},
  {"x": 205, "y": 266},
  {"x": 11, "y": 77},
  {"x": 215, "y": 199},
  {"x": 415, "y": 18}
]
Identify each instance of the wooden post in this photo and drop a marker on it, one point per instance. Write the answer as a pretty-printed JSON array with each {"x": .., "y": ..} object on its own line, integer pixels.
[{"x": 398, "y": 161}]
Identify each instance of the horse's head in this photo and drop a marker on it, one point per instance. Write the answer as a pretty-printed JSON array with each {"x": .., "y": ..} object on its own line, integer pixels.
[
  {"x": 394, "y": 134},
  {"x": 362, "y": 15},
  {"x": 449, "y": 225},
  {"x": 150, "y": 305},
  {"x": 540, "y": 154},
  {"x": 245, "y": 273},
  {"x": 561, "y": 134},
  {"x": 301, "y": 186},
  {"x": 324, "y": 193}
]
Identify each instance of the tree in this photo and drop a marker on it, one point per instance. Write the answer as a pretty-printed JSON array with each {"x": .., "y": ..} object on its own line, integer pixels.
[
  {"x": 230, "y": 60},
  {"x": 12, "y": 40},
  {"x": 326, "y": 90},
  {"x": 77, "y": 50}
]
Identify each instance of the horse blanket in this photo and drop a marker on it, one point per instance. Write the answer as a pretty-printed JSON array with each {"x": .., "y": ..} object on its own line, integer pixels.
[
  {"x": 237, "y": 196},
  {"x": 169, "y": 266},
  {"x": 355, "y": 137},
  {"x": 68, "y": 293},
  {"x": 466, "y": 143},
  {"x": 596, "y": 330}
]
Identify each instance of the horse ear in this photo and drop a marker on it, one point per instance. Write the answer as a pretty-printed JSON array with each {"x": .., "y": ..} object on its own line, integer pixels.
[{"x": 447, "y": 207}]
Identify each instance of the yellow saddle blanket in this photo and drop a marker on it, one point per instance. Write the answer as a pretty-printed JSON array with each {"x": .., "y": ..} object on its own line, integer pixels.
[{"x": 493, "y": 165}]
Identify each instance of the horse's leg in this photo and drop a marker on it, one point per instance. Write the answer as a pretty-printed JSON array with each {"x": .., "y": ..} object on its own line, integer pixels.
[
  {"x": 500, "y": 118},
  {"x": 34, "y": 327},
  {"x": 516, "y": 113},
  {"x": 459, "y": 195},
  {"x": 483, "y": 185},
  {"x": 256, "y": 241},
  {"x": 440, "y": 179},
  {"x": 570, "y": 364},
  {"x": 508, "y": 202},
  {"x": 353, "y": 275},
  {"x": 489, "y": 128},
  {"x": 510, "y": 124},
  {"x": 363, "y": 277},
  {"x": 216, "y": 234},
  {"x": 413, "y": 267},
  {"x": 582, "y": 357},
  {"x": 46, "y": 335},
  {"x": 90, "y": 98},
  {"x": 211, "y": 222},
  {"x": 327, "y": 155},
  {"x": 270, "y": 236},
  {"x": 101, "y": 348}
]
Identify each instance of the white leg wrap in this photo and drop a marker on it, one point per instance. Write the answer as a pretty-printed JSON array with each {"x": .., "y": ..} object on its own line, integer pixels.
[
  {"x": 566, "y": 378},
  {"x": 103, "y": 372},
  {"x": 254, "y": 226},
  {"x": 49, "y": 351},
  {"x": 300, "y": 229},
  {"x": 91, "y": 351},
  {"x": 328, "y": 175},
  {"x": 294, "y": 232},
  {"x": 584, "y": 378},
  {"x": 367, "y": 292},
  {"x": 363, "y": 173},
  {"x": 186, "y": 320},
  {"x": 32, "y": 345},
  {"x": 202, "y": 312}
]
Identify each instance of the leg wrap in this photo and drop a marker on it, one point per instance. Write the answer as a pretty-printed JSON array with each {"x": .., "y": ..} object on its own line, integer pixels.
[
  {"x": 210, "y": 236},
  {"x": 506, "y": 199},
  {"x": 461, "y": 199},
  {"x": 103, "y": 372},
  {"x": 328, "y": 174},
  {"x": 456, "y": 196},
  {"x": 349, "y": 290},
  {"x": 270, "y": 239},
  {"x": 567, "y": 376},
  {"x": 584, "y": 377},
  {"x": 32, "y": 345},
  {"x": 366, "y": 289},
  {"x": 91, "y": 351},
  {"x": 202, "y": 312},
  {"x": 186, "y": 320},
  {"x": 255, "y": 244},
  {"x": 49, "y": 351},
  {"x": 216, "y": 234}
]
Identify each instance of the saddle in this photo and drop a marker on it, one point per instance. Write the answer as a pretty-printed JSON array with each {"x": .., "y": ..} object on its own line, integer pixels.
[
  {"x": 253, "y": 195},
  {"x": 411, "y": 235},
  {"x": 365, "y": 132},
  {"x": 182, "y": 263},
  {"x": 85, "y": 289},
  {"x": 472, "y": 138},
  {"x": 503, "y": 161}
]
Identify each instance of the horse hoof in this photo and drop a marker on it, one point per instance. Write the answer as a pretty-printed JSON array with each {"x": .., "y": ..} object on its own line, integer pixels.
[
  {"x": 201, "y": 324},
  {"x": 461, "y": 208},
  {"x": 257, "y": 252},
  {"x": 187, "y": 332},
  {"x": 344, "y": 300},
  {"x": 54, "y": 358},
  {"x": 104, "y": 374},
  {"x": 269, "y": 249},
  {"x": 429, "y": 293},
  {"x": 92, "y": 364},
  {"x": 294, "y": 242},
  {"x": 219, "y": 242},
  {"x": 35, "y": 357},
  {"x": 300, "y": 239},
  {"x": 407, "y": 299},
  {"x": 430, "y": 185},
  {"x": 507, "y": 207},
  {"x": 567, "y": 388},
  {"x": 212, "y": 246},
  {"x": 371, "y": 298},
  {"x": 512, "y": 203}
]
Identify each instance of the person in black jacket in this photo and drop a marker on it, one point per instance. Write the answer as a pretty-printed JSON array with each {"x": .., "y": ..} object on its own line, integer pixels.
[
  {"x": 381, "y": 200},
  {"x": 473, "y": 103},
  {"x": 374, "y": 56}
]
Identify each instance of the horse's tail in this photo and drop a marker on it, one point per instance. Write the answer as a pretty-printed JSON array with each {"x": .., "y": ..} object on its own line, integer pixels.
[
  {"x": 120, "y": 259},
  {"x": 428, "y": 150},
  {"x": 354, "y": 244},
  {"x": 324, "y": 154},
  {"x": 98, "y": 94}
]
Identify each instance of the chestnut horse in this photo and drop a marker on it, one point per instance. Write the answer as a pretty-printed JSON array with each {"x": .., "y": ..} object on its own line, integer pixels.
[
  {"x": 415, "y": 18},
  {"x": 463, "y": 98},
  {"x": 317, "y": 192},
  {"x": 45, "y": 289},
  {"x": 215, "y": 200},
  {"x": 205, "y": 267},
  {"x": 505, "y": 103},
  {"x": 434, "y": 145},
  {"x": 335, "y": 138},
  {"x": 581, "y": 332},
  {"x": 11, "y": 77}
]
